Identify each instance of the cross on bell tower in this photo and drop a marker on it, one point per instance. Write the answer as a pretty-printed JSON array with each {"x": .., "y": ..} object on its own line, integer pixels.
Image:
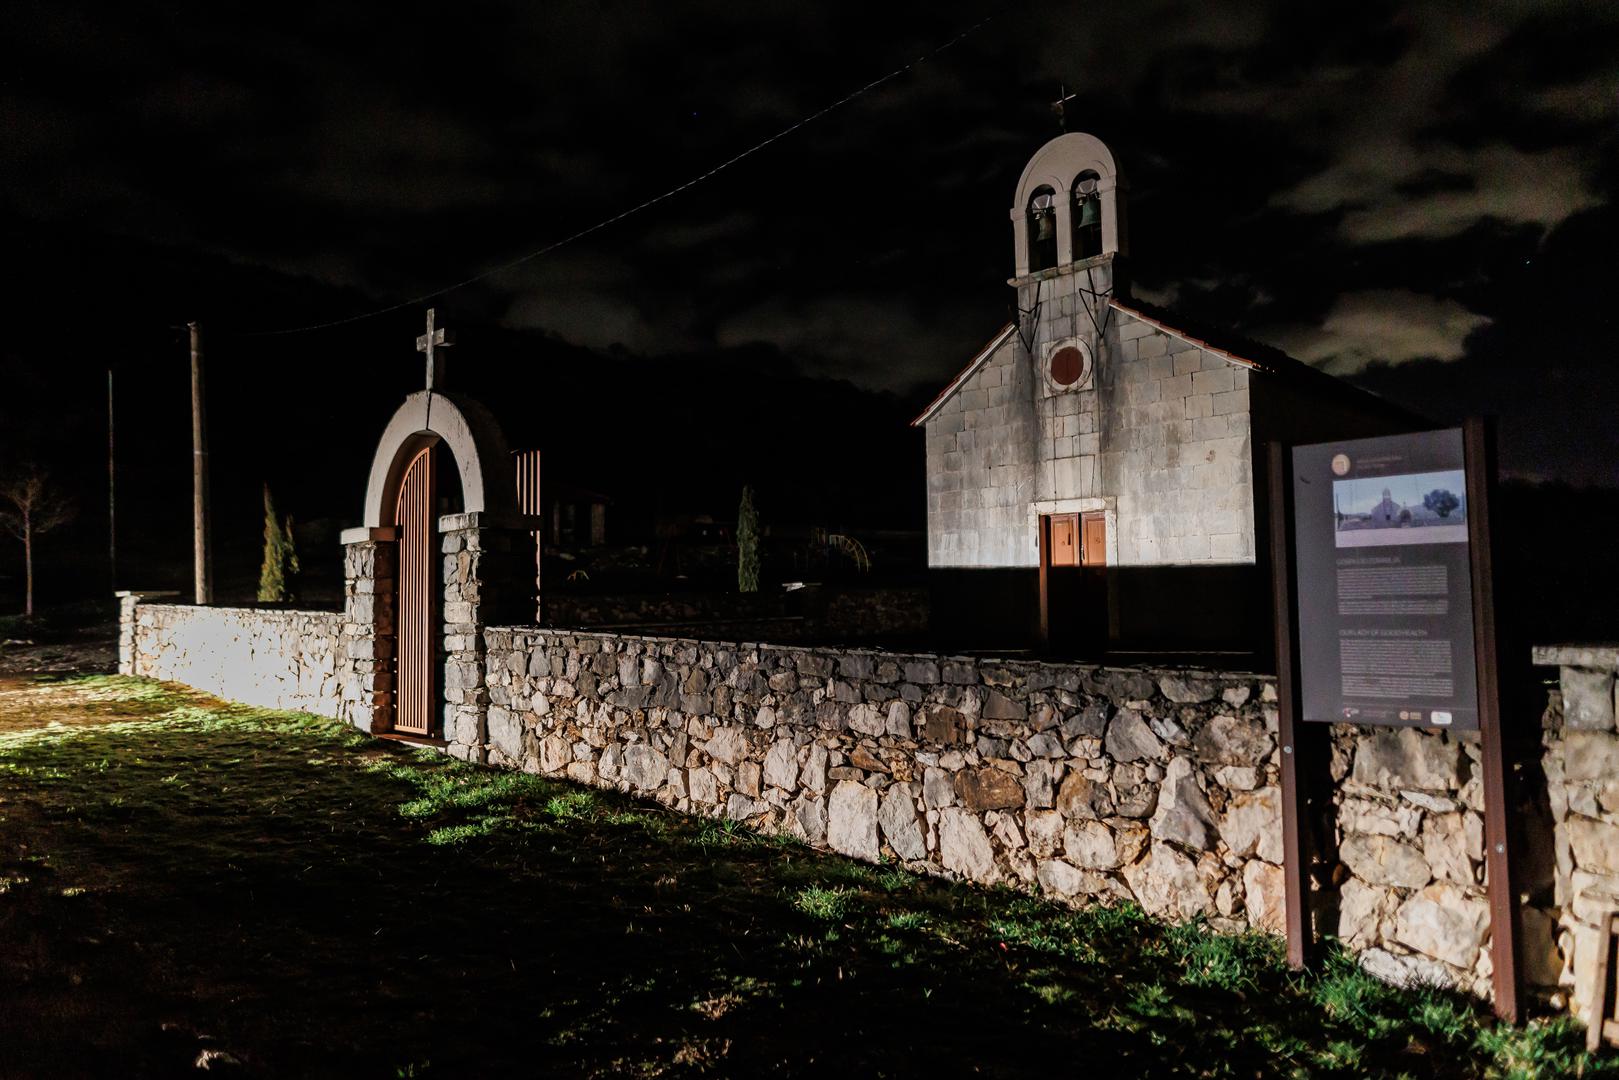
[
  {"x": 1059, "y": 108},
  {"x": 430, "y": 343}
]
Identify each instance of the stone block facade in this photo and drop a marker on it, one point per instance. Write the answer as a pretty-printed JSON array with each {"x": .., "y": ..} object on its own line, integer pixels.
[
  {"x": 980, "y": 467},
  {"x": 1158, "y": 437},
  {"x": 1175, "y": 449}
]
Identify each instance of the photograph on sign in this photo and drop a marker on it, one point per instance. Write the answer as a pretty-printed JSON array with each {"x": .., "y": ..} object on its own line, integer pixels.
[
  {"x": 1417, "y": 508},
  {"x": 1384, "y": 588}
]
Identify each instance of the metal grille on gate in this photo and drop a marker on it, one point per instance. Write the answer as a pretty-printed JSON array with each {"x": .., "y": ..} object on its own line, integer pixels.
[
  {"x": 418, "y": 557},
  {"x": 528, "y": 501}
]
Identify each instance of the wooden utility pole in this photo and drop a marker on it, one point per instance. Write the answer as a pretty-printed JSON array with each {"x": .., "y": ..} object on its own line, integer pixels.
[
  {"x": 112, "y": 495},
  {"x": 199, "y": 474}
]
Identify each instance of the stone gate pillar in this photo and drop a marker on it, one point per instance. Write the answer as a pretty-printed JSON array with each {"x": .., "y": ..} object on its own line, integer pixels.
[
  {"x": 488, "y": 581},
  {"x": 370, "y": 570}
]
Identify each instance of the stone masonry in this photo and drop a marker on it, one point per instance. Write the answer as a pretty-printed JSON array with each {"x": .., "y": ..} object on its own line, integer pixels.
[
  {"x": 369, "y": 588},
  {"x": 1088, "y": 783},
  {"x": 129, "y": 604},
  {"x": 1174, "y": 449},
  {"x": 1085, "y": 783},
  {"x": 480, "y": 560},
  {"x": 1580, "y": 761},
  {"x": 273, "y": 659},
  {"x": 1409, "y": 837},
  {"x": 1158, "y": 438},
  {"x": 980, "y": 467}
]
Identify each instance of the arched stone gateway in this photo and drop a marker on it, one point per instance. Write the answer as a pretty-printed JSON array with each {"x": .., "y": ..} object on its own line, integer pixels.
[
  {"x": 436, "y": 561},
  {"x": 470, "y": 434}
]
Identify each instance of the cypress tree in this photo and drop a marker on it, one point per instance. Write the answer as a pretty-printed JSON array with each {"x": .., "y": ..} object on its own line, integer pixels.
[
  {"x": 747, "y": 543},
  {"x": 280, "y": 563}
]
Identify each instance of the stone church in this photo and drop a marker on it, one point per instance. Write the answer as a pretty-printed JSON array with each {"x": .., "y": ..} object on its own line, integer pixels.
[{"x": 1095, "y": 474}]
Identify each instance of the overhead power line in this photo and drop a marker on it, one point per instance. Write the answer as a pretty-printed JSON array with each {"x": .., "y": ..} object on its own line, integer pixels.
[{"x": 636, "y": 209}]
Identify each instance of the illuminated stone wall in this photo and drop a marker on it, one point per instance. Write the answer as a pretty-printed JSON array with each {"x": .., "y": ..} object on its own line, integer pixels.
[
  {"x": 275, "y": 659},
  {"x": 1086, "y": 783}
]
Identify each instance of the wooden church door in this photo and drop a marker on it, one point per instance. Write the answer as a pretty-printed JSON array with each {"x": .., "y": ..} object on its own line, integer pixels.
[
  {"x": 1093, "y": 543},
  {"x": 1074, "y": 605},
  {"x": 415, "y": 689},
  {"x": 1064, "y": 540}
]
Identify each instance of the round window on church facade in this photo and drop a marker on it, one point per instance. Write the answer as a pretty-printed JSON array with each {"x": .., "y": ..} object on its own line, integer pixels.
[{"x": 1067, "y": 365}]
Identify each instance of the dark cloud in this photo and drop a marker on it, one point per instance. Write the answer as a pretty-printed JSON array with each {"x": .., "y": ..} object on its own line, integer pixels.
[
  {"x": 876, "y": 340},
  {"x": 1364, "y": 184},
  {"x": 1389, "y": 326}
]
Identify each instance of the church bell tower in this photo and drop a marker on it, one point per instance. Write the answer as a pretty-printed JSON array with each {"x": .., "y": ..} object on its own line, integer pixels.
[
  {"x": 1068, "y": 214},
  {"x": 1069, "y": 239}
]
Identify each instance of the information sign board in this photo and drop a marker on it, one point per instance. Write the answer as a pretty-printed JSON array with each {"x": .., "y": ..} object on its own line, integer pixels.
[{"x": 1385, "y": 600}]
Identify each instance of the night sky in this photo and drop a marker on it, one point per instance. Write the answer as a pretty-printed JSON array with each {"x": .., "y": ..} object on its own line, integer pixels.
[{"x": 1417, "y": 197}]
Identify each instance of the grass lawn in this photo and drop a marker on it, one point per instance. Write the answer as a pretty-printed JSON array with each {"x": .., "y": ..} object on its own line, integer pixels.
[{"x": 184, "y": 881}]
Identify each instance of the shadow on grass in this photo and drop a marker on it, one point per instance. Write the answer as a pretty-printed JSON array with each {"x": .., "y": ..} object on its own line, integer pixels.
[{"x": 187, "y": 878}]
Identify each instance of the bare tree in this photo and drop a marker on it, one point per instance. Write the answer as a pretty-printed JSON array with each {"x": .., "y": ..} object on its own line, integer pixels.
[{"x": 36, "y": 508}]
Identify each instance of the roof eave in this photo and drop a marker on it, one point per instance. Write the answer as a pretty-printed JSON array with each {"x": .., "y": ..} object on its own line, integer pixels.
[
  {"x": 1159, "y": 324},
  {"x": 965, "y": 374}
]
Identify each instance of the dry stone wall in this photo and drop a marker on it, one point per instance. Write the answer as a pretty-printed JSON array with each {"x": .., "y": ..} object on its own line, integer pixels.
[
  {"x": 1409, "y": 809},
  {"x": 293, "y": 660},
  {"x": 1408, "y": 858},
  {"x": 1580, "y": 765},
  {"x": 1086, "y": 783}
]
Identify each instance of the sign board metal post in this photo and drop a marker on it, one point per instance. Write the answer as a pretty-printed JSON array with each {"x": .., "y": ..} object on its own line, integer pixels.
[
  {"x": 1298, "y": 848},
  {"x": 1479, "y": 446}
]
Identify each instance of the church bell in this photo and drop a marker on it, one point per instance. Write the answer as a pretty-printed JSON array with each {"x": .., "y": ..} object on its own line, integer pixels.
[{"x": 1044, "y": 226}]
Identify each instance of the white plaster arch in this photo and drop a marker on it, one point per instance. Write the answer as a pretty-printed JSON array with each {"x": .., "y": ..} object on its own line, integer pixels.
[
  {"x": 475, "y": 442},
  {"x": 1057, "y": 164}
]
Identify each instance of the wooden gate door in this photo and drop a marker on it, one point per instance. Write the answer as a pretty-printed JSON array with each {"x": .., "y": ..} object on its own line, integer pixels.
[{"x": 416, "y": 616}]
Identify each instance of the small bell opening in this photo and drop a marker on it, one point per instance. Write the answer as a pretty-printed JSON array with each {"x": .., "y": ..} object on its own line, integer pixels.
[
  {"x": 1042, "y": 226},
  {"x": 1087, "y": 215}
]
